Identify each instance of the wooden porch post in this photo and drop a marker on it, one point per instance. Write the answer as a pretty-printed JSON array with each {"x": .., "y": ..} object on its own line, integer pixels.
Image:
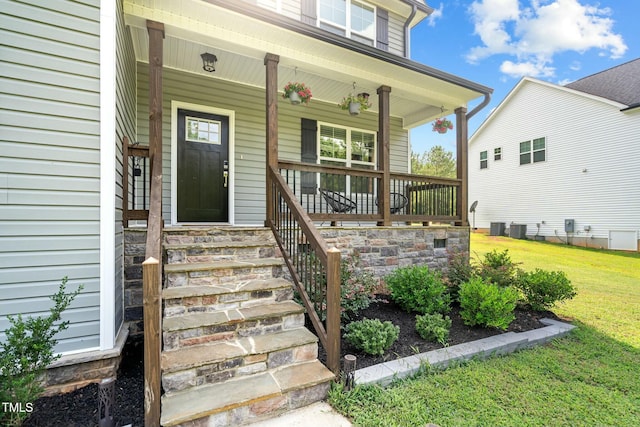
[
  {"x": 271, "y": 99},
  {"x": 153, "y": 278},
  {"x": 333, "y": 310},
  {"x": 462, "y": 148},
  {"x": 156, "y": 35},
  {"x": 384, "y": 136}
]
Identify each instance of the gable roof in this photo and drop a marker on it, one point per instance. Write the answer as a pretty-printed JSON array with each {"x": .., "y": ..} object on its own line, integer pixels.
[
  {"x": 619, "y": 86},
  {"x": 620, "y": 83}
]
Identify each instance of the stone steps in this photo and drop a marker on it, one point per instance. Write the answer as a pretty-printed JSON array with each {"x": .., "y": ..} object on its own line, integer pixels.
[
  {"x": 207, "y": 363},
  {"x": 199, "y": 328},
  {"x": 213, "y": 251},
  {"x": 221, "y": 272},
  {"x": 241, "y": 400},
  {"x": 182, "y": 235},
  {"x": 235, "y": 346},
  {"x": 188, "y": 299}
]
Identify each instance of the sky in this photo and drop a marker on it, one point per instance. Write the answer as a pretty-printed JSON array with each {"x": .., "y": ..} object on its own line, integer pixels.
[{"x": 497, "y": 42}]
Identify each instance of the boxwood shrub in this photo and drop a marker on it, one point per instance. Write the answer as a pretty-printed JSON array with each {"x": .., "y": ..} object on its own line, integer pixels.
[{"x": 418, "y": 289}]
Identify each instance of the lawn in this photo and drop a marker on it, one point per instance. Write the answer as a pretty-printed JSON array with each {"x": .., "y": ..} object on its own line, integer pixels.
[{"x": 587, "y": 379}]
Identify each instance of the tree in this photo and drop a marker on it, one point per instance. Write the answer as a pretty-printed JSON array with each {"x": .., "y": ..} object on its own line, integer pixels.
[{"x": 435, "y": 162}]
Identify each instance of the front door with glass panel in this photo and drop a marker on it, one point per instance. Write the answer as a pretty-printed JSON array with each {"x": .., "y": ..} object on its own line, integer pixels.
[{"x": 203, "y": 167}]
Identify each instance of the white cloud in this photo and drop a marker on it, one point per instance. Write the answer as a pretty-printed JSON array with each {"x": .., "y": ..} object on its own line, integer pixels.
[
  {"x": 531, "y": 69},
  {"x": 435, "y": 15},
  {"x": 534, "y": 34}
]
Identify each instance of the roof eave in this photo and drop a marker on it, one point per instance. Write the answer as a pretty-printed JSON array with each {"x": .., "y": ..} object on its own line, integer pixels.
[{"x": 262, "y": 14}]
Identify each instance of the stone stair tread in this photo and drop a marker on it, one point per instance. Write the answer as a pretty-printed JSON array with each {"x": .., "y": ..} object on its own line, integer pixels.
[
  {"x": 219, "y": 245},
  {"x": 302, "y": 375},
  {"x": 194, "y": 356},
  {"x": 240, "y": 286},
  {"x": 222, "y": 264},
  {"x": 196, "y": 320},
  {"x": 198, "y": 402}
]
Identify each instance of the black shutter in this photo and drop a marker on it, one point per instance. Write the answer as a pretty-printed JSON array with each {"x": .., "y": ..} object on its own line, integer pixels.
[
  {"x": 308, "y": 13},
  {"x": 309, "y": 135},
  {"x": 382, "y": 29}
]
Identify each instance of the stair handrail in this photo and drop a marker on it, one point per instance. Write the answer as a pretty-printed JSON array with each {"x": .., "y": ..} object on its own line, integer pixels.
[{"x": 292, "y": 228}]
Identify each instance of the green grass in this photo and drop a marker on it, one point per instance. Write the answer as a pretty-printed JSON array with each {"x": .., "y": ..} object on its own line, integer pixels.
[{"x": 590, "y": 378}]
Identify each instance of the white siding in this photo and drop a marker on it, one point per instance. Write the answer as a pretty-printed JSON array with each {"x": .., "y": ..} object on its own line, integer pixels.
[
  {"x": 590, "y": 174},
  {"x": 49, "y": 163},
  {"x": 248, "y": 103}
]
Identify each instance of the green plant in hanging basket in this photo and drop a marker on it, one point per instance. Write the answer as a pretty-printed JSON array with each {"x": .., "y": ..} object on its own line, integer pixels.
[
  {"x": 442, "y": 125},
  {"x": 361, "y": 99}
]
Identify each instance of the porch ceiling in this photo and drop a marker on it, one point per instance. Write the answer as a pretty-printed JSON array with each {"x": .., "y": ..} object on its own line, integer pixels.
[{"x": 240, "y": 42}]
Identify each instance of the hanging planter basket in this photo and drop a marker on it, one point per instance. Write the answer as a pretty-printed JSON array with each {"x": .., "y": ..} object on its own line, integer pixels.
[
  {"x": 355, "y": 103},
  {"x": 294, "y": 98},
  {"x": 297, "y": 93},
  {"x": 442, "y": 125}
]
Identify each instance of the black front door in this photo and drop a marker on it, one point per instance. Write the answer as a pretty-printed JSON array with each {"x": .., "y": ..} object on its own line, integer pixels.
[{"x": 203, "y": 167}]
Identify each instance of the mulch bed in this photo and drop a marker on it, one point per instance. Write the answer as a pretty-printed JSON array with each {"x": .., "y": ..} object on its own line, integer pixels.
[
  {"x": 80, "y": 408},
  {"x": 410, "y": 343}
]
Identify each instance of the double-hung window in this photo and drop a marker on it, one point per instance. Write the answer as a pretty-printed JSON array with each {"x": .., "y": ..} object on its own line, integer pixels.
[
  {"x": 533, "y": 151},
  {"x": 350, "y": 18},
  {"x": 484, "y": 162},
  {"x": 274, "y": 5},
  {"x": 354, "y": 148}
]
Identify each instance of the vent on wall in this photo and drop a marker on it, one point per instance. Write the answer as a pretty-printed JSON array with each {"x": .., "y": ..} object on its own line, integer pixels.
[{"x": 439, "y": 243}]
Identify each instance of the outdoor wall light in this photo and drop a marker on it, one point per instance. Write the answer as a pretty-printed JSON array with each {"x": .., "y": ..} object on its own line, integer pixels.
[{"x": 209, "y": 62}]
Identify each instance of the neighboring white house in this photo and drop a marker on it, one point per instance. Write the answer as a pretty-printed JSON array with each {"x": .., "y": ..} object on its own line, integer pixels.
[{"x": 563, "y": 160}]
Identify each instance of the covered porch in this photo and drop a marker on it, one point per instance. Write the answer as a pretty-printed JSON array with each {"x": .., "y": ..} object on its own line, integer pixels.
[
  {"x": 268, "y": 169},
  {"x": 403, "y": 94}
]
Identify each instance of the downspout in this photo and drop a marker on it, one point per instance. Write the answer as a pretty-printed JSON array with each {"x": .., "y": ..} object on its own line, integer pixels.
[
  {"x": 485, "y": 101},
  {"x": 407, "y": 30}
]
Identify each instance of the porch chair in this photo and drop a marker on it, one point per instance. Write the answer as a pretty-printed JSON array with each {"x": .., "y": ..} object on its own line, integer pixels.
[
  {"x": 337, "y": 202},
  {"x": 397, "y": 201}
]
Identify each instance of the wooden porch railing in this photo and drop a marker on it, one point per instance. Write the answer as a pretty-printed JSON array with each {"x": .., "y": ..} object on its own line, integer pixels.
[
  {"x": 134, "y": 199},
  {"x": 314, "y": 269},
  {"x": 323, "y": 190}
]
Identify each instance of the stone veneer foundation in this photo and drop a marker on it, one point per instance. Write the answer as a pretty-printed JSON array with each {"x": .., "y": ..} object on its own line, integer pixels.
[
  {"x": 74, "y": 371},
  {"x": 381, "y": 250}
]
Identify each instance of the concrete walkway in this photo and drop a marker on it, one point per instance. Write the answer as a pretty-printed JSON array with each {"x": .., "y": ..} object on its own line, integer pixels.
[
  {"x": 319, "y": 414},
  {"x": 322, "y": 414}
]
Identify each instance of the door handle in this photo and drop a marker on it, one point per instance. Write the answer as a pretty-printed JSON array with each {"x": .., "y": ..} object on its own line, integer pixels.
[{"x": 225, "y": 174}]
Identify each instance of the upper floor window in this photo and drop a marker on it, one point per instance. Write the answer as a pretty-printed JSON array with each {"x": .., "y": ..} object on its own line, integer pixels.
[
  {"x": 497, "y": 153},
  {"x": 271, "y": 4},
  {"x": 533, "y": 151},
  {"x": 484, "y": 161},
  {"x": 349, "y": 18}
]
